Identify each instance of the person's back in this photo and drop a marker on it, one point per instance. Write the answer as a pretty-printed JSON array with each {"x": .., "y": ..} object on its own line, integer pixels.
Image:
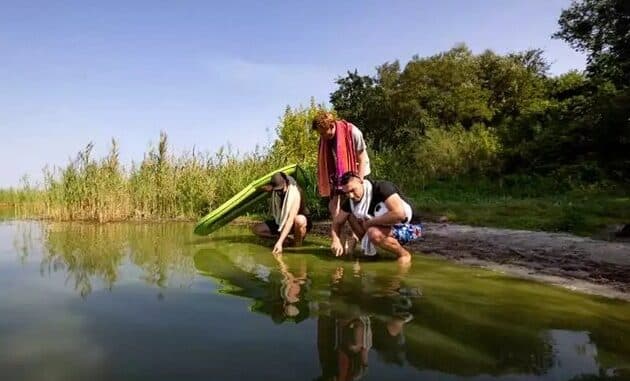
[
  {"x": 384, "y": 188},
  {"x": 381, "y": 191}
]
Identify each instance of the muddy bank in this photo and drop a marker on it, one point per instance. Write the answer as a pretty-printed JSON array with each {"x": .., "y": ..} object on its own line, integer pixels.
[{"x": 578, "y": 263}]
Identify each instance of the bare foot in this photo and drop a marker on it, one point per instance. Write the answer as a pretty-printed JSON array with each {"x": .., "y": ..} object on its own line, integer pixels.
[
  {"x": 403, "y": 267},
  {"x": 404, "y": 260}
]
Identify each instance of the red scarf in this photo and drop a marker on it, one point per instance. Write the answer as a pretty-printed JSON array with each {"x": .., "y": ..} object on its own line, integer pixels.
[{"x": 329, "y": 170}]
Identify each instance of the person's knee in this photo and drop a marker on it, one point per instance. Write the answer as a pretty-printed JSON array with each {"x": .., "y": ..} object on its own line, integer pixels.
[
  {"x": 259, "y": 229},
  {"x": 375, "y": 235},
  {"x": 300, "y": 221}
]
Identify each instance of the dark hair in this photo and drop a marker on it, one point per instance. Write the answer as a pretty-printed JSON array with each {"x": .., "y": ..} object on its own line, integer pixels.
[
  {"x": 278, "y": 180},
  {"x": 346, "y": 177},
  {"x": 320, "y": 120}
]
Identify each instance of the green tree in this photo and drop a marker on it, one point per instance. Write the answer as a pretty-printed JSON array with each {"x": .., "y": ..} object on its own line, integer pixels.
[
  {"x": 601, "y": 29},
  {"x": 296, "y": 142}
]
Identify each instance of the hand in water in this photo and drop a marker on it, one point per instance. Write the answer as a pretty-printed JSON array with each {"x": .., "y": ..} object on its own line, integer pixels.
[
  {"x": 336, "y": 248},
  {"x": 277, "y": 248}
]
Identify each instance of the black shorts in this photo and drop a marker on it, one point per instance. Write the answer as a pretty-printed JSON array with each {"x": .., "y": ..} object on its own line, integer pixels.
[{"x": 273, "y": 226}]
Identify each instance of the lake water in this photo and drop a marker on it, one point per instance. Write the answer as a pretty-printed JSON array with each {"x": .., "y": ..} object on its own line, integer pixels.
[{"x": 153, "y": 302}]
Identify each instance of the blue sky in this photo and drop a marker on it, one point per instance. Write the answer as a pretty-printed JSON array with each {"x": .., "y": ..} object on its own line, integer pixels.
[{"x": 211, "y": 73}]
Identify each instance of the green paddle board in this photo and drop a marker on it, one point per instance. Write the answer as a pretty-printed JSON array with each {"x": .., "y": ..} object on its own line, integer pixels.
[{"x": 244, "y": 200}]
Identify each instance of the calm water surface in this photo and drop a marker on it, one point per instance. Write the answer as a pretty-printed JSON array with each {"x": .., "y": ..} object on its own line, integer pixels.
[{"x": 154, "y": 302}]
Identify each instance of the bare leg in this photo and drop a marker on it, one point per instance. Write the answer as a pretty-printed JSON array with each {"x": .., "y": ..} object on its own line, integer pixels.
[
  {"x": 357, "y": 229},
  {"x": 381, "y": 237},
  {"x": 299, "y": 229},
  {"x": 262, "y": 230},
  {"x": 357, "y": 233}
]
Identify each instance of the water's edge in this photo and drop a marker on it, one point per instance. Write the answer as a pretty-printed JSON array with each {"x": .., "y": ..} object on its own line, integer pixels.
[{"x": 579, "y": 264}]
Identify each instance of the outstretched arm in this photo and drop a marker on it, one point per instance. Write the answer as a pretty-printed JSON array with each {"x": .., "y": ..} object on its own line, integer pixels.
[
  {"x": 287, "y": 226},
  {"x": 335, "y": 232}
]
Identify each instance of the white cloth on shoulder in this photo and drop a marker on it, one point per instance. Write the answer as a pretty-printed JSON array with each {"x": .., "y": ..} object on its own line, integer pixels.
[
  {"x": 360, "y": 210},
  {"x": 281, "y": 210}
]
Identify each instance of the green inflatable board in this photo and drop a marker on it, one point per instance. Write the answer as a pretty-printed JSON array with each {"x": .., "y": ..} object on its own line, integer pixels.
[{"x": 244, "y": 200}]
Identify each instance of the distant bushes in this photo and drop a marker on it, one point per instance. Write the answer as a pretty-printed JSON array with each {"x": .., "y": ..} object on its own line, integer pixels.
[{"x": 456, "y": 151}]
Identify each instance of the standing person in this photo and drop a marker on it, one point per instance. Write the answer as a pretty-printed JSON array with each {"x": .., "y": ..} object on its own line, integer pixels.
[{"x": 341, "y": 149}]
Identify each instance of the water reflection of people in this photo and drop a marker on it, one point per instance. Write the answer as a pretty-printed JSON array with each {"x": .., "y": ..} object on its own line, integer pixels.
[
  {"x": 389, "y": 337},
  {"x": 393, "y": 306},
  {"x": 343, "y": 344},
  {"x": 291, "y": 287},
  {"x": 349, "y": 325},
  {"x": 354, "y": 341}
]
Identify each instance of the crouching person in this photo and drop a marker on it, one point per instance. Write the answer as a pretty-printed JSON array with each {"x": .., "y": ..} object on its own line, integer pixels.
[
  {"x": 288, "y": 208},
  {"x": 379, "y": 215}
]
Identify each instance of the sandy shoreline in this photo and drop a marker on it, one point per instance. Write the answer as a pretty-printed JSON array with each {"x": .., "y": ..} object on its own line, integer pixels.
[{"x": 577, "y": 263}]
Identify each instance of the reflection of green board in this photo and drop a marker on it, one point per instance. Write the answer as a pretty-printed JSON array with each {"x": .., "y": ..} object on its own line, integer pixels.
[{"x": 243, "y": 200}]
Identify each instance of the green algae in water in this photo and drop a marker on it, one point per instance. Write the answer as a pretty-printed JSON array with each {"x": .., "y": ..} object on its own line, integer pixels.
[{"x": 152, "y": 301}]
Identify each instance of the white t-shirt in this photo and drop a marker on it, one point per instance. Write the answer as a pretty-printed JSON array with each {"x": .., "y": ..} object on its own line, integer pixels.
[{"x": 359, "y": 145}]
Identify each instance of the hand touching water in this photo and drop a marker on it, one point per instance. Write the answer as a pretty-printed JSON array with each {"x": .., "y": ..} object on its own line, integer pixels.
[
  {"x": 336, "y": 248},
  {"x": 277, "y": 248}
]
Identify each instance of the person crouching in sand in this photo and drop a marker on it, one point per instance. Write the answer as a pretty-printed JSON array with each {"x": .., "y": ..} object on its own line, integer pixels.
[{"x": 378, "y": 214}]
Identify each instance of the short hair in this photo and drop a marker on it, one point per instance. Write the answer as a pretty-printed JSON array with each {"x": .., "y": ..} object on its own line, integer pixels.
[
  {"x": 320, "y": 120},
  {"x": 346, "y": 177},
  {"x": 278, "y": 181}
]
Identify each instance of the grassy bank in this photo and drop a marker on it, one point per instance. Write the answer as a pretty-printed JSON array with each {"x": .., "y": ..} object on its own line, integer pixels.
[
  {"x": 166, "y": 187},
  {"x": 584, "y": 211}
]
